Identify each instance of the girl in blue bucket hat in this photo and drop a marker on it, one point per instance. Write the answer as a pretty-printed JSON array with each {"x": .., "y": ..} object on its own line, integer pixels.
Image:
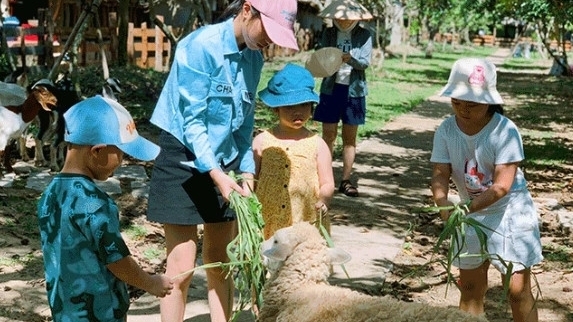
[{"x": 293, "y": 165}]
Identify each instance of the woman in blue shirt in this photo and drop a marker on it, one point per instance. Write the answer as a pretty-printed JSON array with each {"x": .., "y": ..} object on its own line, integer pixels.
[{"x": 206, "y": 116}]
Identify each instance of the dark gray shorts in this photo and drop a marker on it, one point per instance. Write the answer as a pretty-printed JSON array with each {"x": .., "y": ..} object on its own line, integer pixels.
[
  {"x": 179, "y": 194},
  {"x": 339, "y": 106}
]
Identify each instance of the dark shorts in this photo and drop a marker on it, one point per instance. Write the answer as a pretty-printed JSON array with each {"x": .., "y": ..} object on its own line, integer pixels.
[
  {"x": 179, "y": 194},
  {"x": 339, "y": 106}
]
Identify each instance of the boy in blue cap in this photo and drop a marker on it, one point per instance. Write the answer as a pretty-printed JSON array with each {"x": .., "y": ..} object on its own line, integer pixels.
[
  {"x": 294, "y": 180},
  {"x": 86, "y": 261}
]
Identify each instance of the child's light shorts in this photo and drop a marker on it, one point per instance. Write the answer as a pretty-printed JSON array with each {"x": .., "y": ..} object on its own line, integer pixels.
[{"x": 516, "y": 238}]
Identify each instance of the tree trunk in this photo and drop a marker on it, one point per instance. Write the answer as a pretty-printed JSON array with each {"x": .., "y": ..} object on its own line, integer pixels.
[
  {"x": 397, "y": 23},
  {"x": 123, "y": 17}
]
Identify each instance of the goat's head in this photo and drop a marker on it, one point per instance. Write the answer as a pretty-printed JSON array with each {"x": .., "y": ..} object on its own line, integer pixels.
[{"x": 44, "y": 92}]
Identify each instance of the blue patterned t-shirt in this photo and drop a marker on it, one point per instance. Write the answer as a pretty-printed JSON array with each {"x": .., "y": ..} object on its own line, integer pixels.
[{"x": 79, "y": 225}]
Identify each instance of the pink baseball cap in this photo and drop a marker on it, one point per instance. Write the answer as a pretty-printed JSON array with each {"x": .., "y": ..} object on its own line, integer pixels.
[{"x": 278, "y": 18}]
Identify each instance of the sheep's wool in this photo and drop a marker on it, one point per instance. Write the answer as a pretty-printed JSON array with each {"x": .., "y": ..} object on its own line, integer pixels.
[{"x": 298, "y": 290}]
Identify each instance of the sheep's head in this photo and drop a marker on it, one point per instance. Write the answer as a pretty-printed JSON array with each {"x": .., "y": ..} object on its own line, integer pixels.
[{"x": 303, "y": 243}]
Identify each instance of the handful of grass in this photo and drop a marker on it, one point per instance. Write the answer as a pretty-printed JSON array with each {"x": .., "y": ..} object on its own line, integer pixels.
[
  {"x": 244, "y": 252},
  {"x": 455, "y": 233}
]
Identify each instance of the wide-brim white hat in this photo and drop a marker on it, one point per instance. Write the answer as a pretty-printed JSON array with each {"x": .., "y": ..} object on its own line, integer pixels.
[
  {"x": 345, "y": 10},
  {"x": 474, "y": 80},
  {"x": 324, "y": 62}
]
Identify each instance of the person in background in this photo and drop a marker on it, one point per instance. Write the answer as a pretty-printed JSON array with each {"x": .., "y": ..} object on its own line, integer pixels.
[
  {"x": 480, "y": 150},
  {"x": 206, "y": 116},
  {"x": 86, "y": 261},
  {"x": 294, "y": 180},
  {"x": 343, "y": 95}
]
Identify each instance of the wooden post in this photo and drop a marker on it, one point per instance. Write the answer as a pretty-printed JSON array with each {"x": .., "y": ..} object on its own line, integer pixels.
[
  {"x": 144, "y": 44},
  {"x": 114, "y": 41},
  {"x": 50, "y": 39},
  {"x": 130, "y": 49},
  {"x": 40, "y": 33},
  {"x": 158, "y": 48},
  {"x": 23, "y": 47}
]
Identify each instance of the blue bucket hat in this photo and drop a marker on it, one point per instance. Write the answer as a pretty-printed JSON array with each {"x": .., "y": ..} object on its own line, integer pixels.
[{"x": 290, "y": 86}]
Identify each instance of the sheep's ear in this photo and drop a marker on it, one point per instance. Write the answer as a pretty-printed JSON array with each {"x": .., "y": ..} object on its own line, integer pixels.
[
  {"x": 278, "y": 252},
  {"x": 338, "y": 256}
]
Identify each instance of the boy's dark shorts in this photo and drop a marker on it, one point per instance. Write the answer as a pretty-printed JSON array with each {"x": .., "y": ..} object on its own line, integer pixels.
[
  {"x": 340, "y": 106},
  {"x": 179, "y": 194}
]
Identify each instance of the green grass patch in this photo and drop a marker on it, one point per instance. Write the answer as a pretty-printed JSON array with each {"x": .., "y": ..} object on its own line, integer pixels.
[
  {"x": 135, "y": 231},
  {"x": 152, "y": 253},
  {"x": 558, "y": 253},
  {"x": 394, "y": 89},
  {"x": 546, "y": 150},
  {"x": 16, "y": 260}
]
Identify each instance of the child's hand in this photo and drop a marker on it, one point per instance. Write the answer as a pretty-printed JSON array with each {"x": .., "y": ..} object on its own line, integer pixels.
[
  {"x": 445, "y": 214},
  {"x": 161, "y": 285},
  {"x": 321, "y": 208}
]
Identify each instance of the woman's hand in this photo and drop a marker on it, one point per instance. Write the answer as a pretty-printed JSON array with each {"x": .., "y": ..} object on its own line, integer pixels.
[
  {"x": 226, "y": 184},
  {"x": 346, "y": 57}
]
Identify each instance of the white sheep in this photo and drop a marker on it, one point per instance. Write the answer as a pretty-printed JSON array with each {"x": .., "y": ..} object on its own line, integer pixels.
[
  {"x": 15, "y": 118},
  {"x": 298, "y": 291}
]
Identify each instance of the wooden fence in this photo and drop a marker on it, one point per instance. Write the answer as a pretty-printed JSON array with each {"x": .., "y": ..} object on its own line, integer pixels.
[
  {"x": 146, "y": 47},
  {"x": 490, "y": 40}
]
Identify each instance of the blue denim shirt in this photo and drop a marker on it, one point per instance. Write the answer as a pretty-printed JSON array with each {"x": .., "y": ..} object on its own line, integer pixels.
[
  {"x": 361, "y": 55},
  {"x": 208, "y": 100}
]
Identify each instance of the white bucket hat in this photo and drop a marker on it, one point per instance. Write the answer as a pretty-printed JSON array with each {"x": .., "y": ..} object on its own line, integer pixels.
[
  {"x": 324, "y": 62},
  {"x": 345, "y": 10},
  {"x": 474, "y": 80}
]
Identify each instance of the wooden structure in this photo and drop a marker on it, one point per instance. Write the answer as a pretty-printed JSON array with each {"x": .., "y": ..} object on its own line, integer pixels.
[
  {"x": 29, "y": 44},
  {"x": 148, "y": 47},
  {"x": 490, "y": 40}
]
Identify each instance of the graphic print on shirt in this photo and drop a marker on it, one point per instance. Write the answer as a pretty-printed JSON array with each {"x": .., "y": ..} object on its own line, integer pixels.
[
  {"x": 476, "y": 182},
  {"x": 345, "y": 46}
]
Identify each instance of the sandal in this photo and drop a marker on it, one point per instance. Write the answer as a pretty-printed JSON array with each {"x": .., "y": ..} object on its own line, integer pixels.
[{"x": 348, "y": 189}]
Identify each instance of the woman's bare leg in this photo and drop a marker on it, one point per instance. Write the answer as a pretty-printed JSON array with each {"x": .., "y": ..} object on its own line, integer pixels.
[
  {"x": 220, "y": 288},
  {"x": 181, "y": 243}
]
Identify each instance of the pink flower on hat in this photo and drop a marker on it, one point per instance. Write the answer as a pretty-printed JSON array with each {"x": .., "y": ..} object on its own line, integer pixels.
[{"x": 477, "y": 77}]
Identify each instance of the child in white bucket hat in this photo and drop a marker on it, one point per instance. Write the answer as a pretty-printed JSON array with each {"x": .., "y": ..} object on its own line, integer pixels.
[
  {"x": 86, "y": 261},
  {"x": 293, "y": 164},
  {"x": 480, "y": 150}
]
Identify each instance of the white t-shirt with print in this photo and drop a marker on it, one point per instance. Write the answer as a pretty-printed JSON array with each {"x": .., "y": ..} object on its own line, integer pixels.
[
  {"x": 473, "y": 157},
  {"x": 343, "y": 43}
]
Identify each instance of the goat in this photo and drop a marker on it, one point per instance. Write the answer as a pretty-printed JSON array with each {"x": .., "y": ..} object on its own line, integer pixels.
[
  {"x": 14, "y": 119},
  {"x": 52, "y": 124}
]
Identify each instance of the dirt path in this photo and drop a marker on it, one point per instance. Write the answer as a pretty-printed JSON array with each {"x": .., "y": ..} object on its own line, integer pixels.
[{"x": 387, "y": 241}]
